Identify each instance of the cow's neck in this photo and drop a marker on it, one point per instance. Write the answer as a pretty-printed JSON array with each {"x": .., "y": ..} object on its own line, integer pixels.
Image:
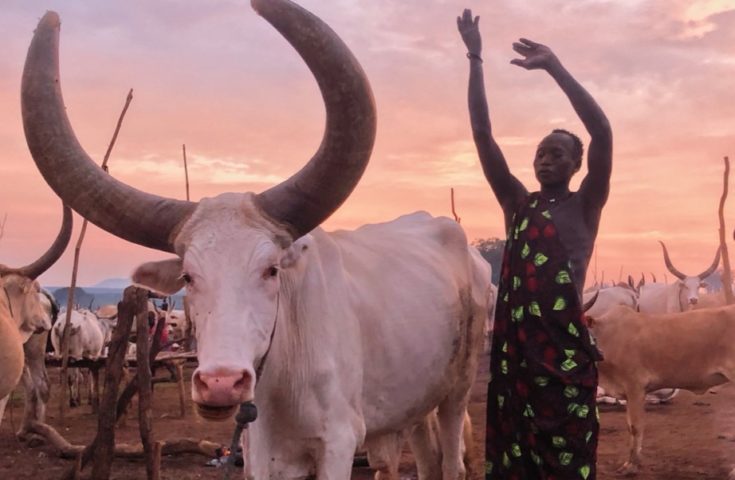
[{"x": 303, "y": 344}]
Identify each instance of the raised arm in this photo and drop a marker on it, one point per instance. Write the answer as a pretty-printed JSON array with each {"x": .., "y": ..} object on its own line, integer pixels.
[
  {"x": 596, "y": 184},
  {"x": 508, "y": 190}
]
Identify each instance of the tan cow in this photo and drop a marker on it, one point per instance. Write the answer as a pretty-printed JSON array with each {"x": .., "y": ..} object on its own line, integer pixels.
[
  {"x": 22, "y": 313},
  {"x": 647, "y": 352}
]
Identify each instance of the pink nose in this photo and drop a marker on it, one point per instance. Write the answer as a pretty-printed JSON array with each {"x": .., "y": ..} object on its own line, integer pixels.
[
  {"x": 221, "y": 388},
  {"x": 693, "y": 301}
]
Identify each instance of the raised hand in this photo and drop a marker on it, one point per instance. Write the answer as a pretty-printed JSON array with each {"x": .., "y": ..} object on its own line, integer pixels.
[
  {"x": 535, "y": 55},
  {"x": 468, "y": 28}
]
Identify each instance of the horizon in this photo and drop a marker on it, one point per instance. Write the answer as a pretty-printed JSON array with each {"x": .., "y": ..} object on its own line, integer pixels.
[{"x": 222, "y": 81}]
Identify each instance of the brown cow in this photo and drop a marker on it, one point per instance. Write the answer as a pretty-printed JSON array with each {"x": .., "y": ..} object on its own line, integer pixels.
[{"x": 647, "y": 352}]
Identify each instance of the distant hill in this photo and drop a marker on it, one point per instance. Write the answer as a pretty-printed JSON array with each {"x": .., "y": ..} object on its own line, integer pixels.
[
  {"x": 112, "y": 283},
  {"x": 88, "y": 297},
  {"x": 92, "y": 297}
]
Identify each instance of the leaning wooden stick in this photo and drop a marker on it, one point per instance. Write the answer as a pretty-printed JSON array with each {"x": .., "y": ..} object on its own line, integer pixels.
[
  {"x": 726, "y": 276},
  {"x": 77, "y": 250},
  {"x": 454, "y": 212},
  {"x": 2, "y": 225},
  {"x": 186, "y": 172}
]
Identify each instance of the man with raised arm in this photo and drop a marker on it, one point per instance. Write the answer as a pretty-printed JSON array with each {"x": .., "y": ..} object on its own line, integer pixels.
[{"x": 542, "y": 419}]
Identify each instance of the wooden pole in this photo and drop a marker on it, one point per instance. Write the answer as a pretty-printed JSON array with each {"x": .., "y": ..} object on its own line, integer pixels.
[
  {"x": 189, "y": 330},
  {"x": 64, "y": 376},
  {"x": 134, "y": 304},
  {"x": 145, "y": 418},
  {"x": 157, "y": 450},
  {"x": 595, "y": 248},
  {"x": 186, "y": 172},
  {"x": 95, "y": 374},
  {"x": 2, "y": 225},
  {"x": 122, "y": 401},
  {"x": 726, "y": 272},
  {"x": 78, "y": 466},
  {"x": 454, "y": 212},
  {"x": 182, "y": 389},
  {"x": 70, "y": 298},
  {"x": 131, "y": 389}
]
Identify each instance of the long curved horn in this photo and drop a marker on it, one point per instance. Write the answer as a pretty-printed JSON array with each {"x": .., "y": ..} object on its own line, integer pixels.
[
  {"x": 37, "y": 268},
  {"x": 122, "y": 210},
  {"x": 669, "y": 265},
  {"x": 712, "y": 267},
  {"x": 311, "y": 195}
]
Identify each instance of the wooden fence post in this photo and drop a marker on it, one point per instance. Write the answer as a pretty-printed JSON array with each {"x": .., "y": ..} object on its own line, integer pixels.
[
  {"x": 134, "y": 304},
  {"x": 726, "y": 272}
]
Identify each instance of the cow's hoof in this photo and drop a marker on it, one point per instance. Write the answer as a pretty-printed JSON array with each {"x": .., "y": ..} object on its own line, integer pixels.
[{"x": 628, "y": 469}]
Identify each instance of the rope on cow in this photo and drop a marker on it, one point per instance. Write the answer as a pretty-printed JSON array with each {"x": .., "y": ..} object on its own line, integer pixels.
[{"x": 247, "y": 414}]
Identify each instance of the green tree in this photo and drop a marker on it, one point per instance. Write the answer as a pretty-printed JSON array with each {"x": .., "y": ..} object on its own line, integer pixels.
[{"x": 491, "y": 250}]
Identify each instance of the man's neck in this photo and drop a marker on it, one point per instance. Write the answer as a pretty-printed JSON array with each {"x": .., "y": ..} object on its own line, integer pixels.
[{"x": 555, "y": 193}]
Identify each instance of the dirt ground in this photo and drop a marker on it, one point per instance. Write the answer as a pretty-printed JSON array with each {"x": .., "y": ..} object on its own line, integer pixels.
[{"x": 691, "y": 438}]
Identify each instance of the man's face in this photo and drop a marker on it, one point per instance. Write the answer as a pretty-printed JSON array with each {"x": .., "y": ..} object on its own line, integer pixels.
[{"x": 554, "y": 163}]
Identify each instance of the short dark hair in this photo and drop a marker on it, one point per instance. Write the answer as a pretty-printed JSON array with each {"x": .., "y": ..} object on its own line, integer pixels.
[{"x": 578, "y": 145}]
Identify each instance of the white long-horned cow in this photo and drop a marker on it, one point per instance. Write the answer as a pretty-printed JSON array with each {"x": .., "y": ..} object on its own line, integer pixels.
[
  {"x": 679, "y": 296},
  {"x": 360, "y": 333},
  {"x": 22, "y": 314},
  {"x": 86, "y": 335}
]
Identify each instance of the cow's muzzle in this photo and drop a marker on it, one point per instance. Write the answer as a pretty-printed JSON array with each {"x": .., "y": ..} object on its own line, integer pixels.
[{"x": 218, "y": 393}]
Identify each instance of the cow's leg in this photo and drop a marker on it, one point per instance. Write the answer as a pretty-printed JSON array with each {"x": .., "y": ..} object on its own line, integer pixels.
[
  {"x": 424, "y": 441},
  {"x": 70, "y": 381},
  {"x": 75, "y": 397},
  {"x": 469, "y": 450},
  {"x": 334, "y": 455},
  {"x": 384, "y": 454},
  {"x": 35, "y": 383},
  {"x": 94, "y": 387},
  {"x": 3, "y": 403},
  {"x": 89, "y": 387},
  {"x": 634, "y": 410},
  {"x": 36, "y": 388},
  {"x": 451, "y": 419}
]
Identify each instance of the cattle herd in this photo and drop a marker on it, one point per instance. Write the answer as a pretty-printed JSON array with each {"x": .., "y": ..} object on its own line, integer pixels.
[{"x": 346, "y": 341}]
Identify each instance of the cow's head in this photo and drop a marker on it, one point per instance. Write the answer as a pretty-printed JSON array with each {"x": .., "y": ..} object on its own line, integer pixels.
[
  {"x": 231, "y": 249},
  {"x": 21, "y": 291},
  {"x": 689, "y": 285}
]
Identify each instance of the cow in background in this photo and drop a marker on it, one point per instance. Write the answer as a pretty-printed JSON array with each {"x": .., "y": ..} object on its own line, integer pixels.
[
  {"x": 679, "y": 296},
  {"x": 22, "y": 314}
]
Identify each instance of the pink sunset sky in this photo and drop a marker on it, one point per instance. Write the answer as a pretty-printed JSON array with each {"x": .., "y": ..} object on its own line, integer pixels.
[{"x": 217, "y": 77}]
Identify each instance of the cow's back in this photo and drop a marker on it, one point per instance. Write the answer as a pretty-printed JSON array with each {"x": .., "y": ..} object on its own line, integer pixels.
[{"x": 421, "y": 303}]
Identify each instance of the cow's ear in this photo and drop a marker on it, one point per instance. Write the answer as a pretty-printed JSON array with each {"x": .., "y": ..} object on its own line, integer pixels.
[{"x": 162, "y": 277}]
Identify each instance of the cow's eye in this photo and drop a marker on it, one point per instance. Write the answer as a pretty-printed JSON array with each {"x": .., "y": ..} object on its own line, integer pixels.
[
  {"x": 186, "y": 278},
  {"x": 271, "y": 272}
]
